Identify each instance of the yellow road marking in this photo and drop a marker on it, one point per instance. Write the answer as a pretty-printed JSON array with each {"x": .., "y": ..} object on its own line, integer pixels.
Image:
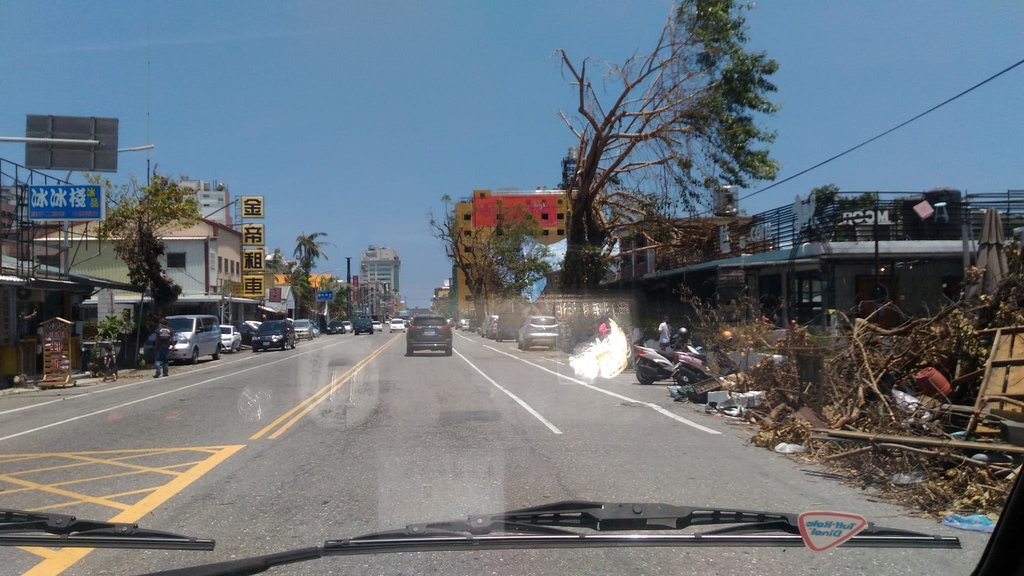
[
  {"x": 317, "y": 396},
  {"x": 56, "y": 562},
  {"x": 74, "y": 496}
]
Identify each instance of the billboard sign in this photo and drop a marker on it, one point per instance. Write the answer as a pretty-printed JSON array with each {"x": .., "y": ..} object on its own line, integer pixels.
[
  {"x": 77, "y": 203},
  {"x": 66, "y": 154}
]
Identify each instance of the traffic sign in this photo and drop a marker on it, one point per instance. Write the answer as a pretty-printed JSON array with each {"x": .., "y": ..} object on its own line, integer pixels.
[{"x": 324, "y": 295}]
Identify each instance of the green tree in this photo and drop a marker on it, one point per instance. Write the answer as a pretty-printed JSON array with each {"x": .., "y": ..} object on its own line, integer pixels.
[
  {"x": 498, "y": 263},
  {"x": 308, "y": 249},
  {"x": 661, "y": 132},
  {"x": 137, "y": 217}
]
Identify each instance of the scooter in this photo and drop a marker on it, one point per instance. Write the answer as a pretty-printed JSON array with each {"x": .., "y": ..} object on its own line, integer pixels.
[{"x": 686, "y": 366}]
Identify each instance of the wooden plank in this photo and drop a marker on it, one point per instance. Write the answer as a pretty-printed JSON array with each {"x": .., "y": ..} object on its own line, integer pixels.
[
  {"x": 919, "y": 441},
  {"x": 1004, "y": 330}
]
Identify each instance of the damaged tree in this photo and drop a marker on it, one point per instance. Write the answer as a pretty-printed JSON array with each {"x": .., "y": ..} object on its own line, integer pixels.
[
  {"x": 497, "y": 263},
  {"x": 661, "y": 132}
]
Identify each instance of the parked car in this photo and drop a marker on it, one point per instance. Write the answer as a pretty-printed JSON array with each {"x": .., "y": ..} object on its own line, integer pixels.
[
  {"x": 464, "y": 324},
  {"x": 230, "y": 338},
  {"x": 303, "y": 329},
  {"x": 316, "y": 328},
  {"x": 396, "y": 324},
  {"x": 377, "y": 326},
  {"x": 274, "y": 334},
  {"x": 428, "y": 332},
  {"x": 348, "y": 326},
  {"x": 538, "y": 331},
  {"x": 246, "y": 329},
  {"x": 362, "y": 325},
  {"x": 505, "y": 331},
  {"x": 336, "y": 327},
  {"x": 195, "y": 335},
  {"x": 489, "y": 327}
]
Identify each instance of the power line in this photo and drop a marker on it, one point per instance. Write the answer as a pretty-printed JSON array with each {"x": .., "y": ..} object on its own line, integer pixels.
[{"x": 889, "y": 131}]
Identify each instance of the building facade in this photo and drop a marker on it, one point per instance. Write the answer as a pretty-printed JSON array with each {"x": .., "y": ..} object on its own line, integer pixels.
[
  {"x": 213, "y": 198},
  {"x": 849, "y": 252},
  {"x": 480, "y": 213}
]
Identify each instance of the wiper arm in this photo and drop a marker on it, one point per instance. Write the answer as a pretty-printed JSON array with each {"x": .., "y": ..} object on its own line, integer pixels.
[
  {"x": 559, "y": 525},
  {"x": 22, "y": 528}
]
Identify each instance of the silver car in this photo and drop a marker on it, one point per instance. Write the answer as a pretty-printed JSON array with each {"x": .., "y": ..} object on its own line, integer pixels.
[
  {"x": 538, "y": 331},
  {"x": 303, "y": 329}
]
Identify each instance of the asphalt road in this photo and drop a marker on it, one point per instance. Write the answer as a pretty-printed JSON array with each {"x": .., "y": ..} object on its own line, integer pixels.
[{"x": 345, "y": 435}]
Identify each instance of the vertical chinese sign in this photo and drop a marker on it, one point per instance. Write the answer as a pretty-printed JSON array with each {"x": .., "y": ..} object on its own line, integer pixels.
[
  {"x": 56, "y": 352},
  {"x": 254, "y": 252}
]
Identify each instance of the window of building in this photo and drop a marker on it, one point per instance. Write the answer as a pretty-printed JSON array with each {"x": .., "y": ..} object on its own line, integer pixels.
[
  {"x": 220, "y": 263},
  {"x": 544, "y": 216},
  {"x": 467, "y": 249},
  {"x": 175, "y": 259},
  {"x": 467, "y": 233},
  {"x": 545, "y": 233},
  {"x": 469, "y": 298},
  {"x": 467, "y": 217},
  {"x": 561, "y": 232},
  {"x": 561, "y": 215}
]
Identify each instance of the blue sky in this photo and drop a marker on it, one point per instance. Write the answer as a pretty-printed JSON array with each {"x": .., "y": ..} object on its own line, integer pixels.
[{"x": 354, "y": 118}]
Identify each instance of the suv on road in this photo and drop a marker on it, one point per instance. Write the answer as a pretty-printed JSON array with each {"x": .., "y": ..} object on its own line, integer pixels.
[
  {"x": 362, "y": 325},
  {"x": 538, "y": 331},
  {"x": 429, "y": 332}
]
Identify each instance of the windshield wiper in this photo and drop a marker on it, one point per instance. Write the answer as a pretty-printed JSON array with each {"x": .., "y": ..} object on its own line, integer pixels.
[
  {"x": 22, "y": 528},
  {"x": 559, "y": 525},
  {"x": 564, "y": 525}
]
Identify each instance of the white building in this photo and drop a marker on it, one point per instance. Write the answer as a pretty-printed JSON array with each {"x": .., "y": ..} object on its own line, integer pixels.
[
  {"x": 213, "y": 199},
  {"x": 381, "y": 265}
]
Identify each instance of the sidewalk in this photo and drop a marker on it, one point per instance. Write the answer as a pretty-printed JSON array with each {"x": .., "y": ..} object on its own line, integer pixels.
[{"x": 81, "y": 379}]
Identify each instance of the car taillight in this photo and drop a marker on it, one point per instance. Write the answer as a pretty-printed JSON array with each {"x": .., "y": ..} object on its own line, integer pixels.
[{"x": 446, "y": 327}]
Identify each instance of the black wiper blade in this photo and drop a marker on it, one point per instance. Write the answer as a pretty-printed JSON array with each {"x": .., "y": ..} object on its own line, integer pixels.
[
  {"x": 23, "y": 528},
  {"x": 562, "y": 524}
]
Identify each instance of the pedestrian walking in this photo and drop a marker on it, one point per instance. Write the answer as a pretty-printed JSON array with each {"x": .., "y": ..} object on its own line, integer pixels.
[
  {"x": 109, "y": 365},
  {"x": 162, "y": 347},
  {"x": 664, "y": 334}
]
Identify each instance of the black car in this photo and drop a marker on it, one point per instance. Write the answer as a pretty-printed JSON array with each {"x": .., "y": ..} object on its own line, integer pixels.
[
  {"x": 246, "y": 330},
  {"x": 335, "y": 327},
  {"x": 274, "y": 334},
  {"x": 428, "y": 333},
  {"x": 362, "y": 325}
]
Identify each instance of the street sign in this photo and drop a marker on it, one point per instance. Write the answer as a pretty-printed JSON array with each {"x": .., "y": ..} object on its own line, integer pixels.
[
  {"x": 324, "y": 295},
  {"x": 66, "y": 154},
  {"x": 66, "y": 203}
]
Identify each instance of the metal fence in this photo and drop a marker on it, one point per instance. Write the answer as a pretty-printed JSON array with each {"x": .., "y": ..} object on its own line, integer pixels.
[{"x": 23, "y": 254}]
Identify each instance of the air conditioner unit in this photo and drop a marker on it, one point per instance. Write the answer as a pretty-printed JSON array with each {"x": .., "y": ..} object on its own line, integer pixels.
[{"x": 727, "y": 201}]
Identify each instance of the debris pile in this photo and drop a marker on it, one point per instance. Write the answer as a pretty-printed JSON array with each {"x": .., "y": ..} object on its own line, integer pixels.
[{"x": 926, "y": 412}]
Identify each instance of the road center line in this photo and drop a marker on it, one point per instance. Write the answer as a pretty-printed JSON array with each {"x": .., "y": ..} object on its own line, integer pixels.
[
  {"x": 143, "y": 399},
  {"x": 650, "y": 405},
  {"x": 518, "y": 400},
  {"x": 307, "y": 405}
]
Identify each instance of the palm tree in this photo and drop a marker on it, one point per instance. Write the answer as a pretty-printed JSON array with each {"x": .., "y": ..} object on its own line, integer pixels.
[{"x": 308, "y": 250}]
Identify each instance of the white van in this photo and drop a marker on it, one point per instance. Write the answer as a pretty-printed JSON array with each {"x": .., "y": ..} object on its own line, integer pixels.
[{"x": 194, "y": 336}]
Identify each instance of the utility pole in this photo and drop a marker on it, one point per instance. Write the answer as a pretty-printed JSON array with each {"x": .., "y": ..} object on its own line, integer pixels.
[{"x": 348, "y": 286}]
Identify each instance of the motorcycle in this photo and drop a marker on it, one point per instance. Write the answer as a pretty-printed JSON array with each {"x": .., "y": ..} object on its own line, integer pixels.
[{"x": 685, "y": 367}]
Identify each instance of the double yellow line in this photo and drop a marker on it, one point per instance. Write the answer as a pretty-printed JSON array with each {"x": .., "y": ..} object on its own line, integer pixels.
[{"x": 307, "y": 405}]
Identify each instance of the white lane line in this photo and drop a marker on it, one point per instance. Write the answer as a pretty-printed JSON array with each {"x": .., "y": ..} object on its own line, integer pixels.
[
  {"x": 164, "y": 393},
  {"x": 650, "y": 405},
  {"x": 463, "y": 337},
  {"x": 518, "y": 400},
  {"x": 205, "y": 367}
]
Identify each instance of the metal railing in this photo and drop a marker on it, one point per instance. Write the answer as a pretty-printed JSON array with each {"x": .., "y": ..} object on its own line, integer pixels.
[{"x": 19, "y": 235}]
